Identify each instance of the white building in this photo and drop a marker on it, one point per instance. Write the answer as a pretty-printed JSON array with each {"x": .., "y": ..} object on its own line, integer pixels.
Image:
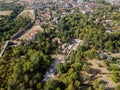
[{"x": 114, "y": 2}]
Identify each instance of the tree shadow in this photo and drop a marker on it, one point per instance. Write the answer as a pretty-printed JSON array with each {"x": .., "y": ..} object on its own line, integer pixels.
[
  {"x": 95, "y": 71},
  {"x": 89, "y": 64},
  {"x": 109, "y": 88}
]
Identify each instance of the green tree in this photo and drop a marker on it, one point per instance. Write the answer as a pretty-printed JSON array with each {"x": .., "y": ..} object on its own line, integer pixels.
[
  {"x": 90, "y": 54},
  {"x": 117, "y": 87},
  {"x": 86, "y": 68},
  {"x": 70, "y": 87},
  {"x": 39, "y": 85}
]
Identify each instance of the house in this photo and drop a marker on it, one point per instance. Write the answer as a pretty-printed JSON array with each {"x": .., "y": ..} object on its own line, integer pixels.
[
  {"x": 37, "y": 22},
  {"x": 58, "y": 40}
]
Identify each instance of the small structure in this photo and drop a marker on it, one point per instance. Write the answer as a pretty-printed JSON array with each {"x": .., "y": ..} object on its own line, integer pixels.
[
  {"x": 32, "y": 36},
  {"x": 19, "y": 42},
  {"x": 58, "y": 40},
  {"x": 37, "y": 22}
]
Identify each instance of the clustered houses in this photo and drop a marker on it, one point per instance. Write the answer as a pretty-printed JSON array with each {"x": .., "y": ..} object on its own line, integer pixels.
[
  {"x": 115, "y": 2},
  {"x": 49, "y": 12},
  {"x": 32, "y": 36}
]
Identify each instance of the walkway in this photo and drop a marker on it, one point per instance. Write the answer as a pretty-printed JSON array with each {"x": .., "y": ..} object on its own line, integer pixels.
[{"x": 6, "y": 44}]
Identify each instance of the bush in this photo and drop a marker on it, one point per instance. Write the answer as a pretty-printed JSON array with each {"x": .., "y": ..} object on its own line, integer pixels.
[
  {"x": 114, "y": 78},
  {"x": 39, "y": 85},
  {"x": 109, "y": 58},
  {"x": 117, "y": 87},
  {"x": 90, "y": 54},
  {"x": 102, "y": 56}
]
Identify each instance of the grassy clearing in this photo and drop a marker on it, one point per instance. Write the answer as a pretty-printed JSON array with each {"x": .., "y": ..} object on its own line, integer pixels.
[
  {"x": 27, "y": 13},
  {"x": 32, "y": 30}
]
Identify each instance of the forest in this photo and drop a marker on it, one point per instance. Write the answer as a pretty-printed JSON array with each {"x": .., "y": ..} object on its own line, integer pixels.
[
  {"x": 8, "y": 6},
  {"x": 7, "y": 30},
  {"x": 9, "y": 25},
  {"x": 21, "y": 69}
]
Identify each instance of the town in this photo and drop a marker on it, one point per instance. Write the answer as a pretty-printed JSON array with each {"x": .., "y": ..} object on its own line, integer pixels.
[{"x": 60, "y": 44}]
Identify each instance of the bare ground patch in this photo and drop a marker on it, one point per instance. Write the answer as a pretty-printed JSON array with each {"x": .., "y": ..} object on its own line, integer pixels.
[
  {"x": 5, "y": 12},
  {"x": 103, "y": 73},
  {"x": 27, "y": 13},
  {"x": 32, "y": 30}
]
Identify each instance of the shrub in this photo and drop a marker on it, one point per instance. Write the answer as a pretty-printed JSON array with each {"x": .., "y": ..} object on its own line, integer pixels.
[{"x": 102, "y": 56}]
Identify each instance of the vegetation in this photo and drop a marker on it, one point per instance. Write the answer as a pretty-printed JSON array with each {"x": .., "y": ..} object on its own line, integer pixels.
[
  {"x": 23, "y": 67},
  {"x": 9, "y": 25},
  {"x": 8, "y": 6},
  {"x": 7, "y": 30},
  {"x": 16, "y": 11},
  {"x": 117, "y": 87},
  {"x": 26, "y": 67},
  {"x": 83, "y": 27}
]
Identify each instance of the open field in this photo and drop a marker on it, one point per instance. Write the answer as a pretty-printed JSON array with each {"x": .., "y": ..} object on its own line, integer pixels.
[
  {"x": 103, "y": 73},
  {"x": 95, "y": 65},
  {"x": 32, "y": 30},
  {"x": 28, "y": 13},
  {"x": 5, "y": 12}
]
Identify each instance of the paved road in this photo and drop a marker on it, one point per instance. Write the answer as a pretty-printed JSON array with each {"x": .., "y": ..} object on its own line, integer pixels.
[{"x": 22, "y": 31}]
